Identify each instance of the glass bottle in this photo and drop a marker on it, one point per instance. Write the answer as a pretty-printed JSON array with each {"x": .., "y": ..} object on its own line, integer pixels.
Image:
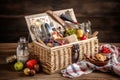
[
  {"x": 88, "y": 27},
  {"x": 22, "y": 50}
]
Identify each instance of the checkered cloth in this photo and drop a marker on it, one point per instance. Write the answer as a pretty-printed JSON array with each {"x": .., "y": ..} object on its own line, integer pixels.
[{"x": 85, "y": 67}]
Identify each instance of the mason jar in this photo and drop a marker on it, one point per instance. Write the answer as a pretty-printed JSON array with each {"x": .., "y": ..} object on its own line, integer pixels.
[{"x": 22, "y": 51}]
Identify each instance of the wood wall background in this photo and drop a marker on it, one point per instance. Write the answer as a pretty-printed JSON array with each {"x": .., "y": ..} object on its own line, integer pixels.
[{"x": 104, "y": 15}]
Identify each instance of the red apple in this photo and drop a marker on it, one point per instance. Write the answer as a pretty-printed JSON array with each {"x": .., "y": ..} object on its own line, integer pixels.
[
  {"x": 30, "y": 63},
  {"x": 83, "y": 37}
]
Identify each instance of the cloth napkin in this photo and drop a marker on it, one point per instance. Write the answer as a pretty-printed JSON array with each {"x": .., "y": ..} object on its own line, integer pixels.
[{"x": 85, "y": 67}]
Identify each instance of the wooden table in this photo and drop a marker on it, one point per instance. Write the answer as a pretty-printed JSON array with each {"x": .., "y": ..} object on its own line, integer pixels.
[{"x": 7, "y": 49}]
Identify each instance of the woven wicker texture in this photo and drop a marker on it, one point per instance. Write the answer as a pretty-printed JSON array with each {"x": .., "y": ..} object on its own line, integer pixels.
[{"x": 57, "y": 58}]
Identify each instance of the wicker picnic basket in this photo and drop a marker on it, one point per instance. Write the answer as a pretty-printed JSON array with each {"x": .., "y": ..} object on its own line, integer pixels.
[{"x": 56, "y": 58}]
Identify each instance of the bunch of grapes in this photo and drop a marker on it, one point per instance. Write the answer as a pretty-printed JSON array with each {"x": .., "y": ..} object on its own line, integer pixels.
[{"x": 69, "y": 31}]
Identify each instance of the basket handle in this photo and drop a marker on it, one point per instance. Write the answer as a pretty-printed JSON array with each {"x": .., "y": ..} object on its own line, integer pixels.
[{"x": 75, "y": 52}]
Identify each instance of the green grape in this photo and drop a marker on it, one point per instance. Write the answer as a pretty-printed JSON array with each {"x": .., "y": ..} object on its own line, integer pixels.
[{"x": 69, "y": 31}]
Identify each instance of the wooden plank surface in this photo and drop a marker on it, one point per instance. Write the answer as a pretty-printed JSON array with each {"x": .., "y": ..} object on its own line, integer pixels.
[{"x": 7, "y": 73}]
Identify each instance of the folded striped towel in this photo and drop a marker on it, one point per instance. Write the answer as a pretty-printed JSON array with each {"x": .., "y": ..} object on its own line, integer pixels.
[{"x": 85, "y": 67}]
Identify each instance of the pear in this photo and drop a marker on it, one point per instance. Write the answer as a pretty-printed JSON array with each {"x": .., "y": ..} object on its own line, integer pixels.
[
  {"x": 79, "y": 33},
  {"x": 26, "y": 71}
]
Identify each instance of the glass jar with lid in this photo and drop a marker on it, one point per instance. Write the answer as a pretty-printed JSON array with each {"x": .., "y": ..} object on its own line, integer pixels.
[{"x": 22, "y": 51}]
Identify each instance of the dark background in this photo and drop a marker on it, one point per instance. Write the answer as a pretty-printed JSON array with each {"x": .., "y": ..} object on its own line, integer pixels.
[{"x": 104, "y": 15}]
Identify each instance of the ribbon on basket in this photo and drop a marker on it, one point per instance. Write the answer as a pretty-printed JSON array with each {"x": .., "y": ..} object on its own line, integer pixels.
[{"x": 85, "y": 67}]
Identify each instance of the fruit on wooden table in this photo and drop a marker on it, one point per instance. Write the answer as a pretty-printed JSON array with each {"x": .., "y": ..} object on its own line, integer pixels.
[
  {"x": 32, "y": 72},
  {"x": 29, "y": 72},
  {"x": 30, "y": 63},
  {"x": 26, "y": 71},
  {"x": 18, "y": 66},
  {"x": 37, "y": 67}
]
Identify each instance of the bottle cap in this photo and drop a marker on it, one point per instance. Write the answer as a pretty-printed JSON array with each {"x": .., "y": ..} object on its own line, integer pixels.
[{"x": 22, "y": 39}]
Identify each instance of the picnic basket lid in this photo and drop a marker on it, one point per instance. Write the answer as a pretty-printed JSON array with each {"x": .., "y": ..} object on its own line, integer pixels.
[{"x": 45, "y": 18}]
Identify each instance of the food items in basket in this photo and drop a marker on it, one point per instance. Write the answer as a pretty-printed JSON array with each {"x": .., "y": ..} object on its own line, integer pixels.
[
  {"x": 60, "y": 41},
  {"x": 69, "y": 31},
  {"x": 98, "y": 60},
  {"x": 55, "y": 35},
  {"x": 79, "y": 33},
  {"x": 71, "y": 38},
  {"x": 100, "y": 57},
  {"x": 83, "y": 37},
  {"x": 105, "y": 50},
  {"x": 93, "y": 35},
  {"x": 47, "y": 30}
]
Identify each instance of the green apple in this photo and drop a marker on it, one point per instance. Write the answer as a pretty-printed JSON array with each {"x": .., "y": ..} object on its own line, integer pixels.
[{"x": 18, "y": 66}]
